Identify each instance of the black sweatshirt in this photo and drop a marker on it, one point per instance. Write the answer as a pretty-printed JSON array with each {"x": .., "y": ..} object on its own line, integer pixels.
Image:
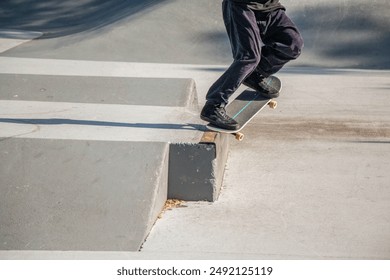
[{"x": 262, "y": 5}]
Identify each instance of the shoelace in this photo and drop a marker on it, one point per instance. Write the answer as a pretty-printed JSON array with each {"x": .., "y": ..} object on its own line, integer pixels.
[{"x": 223, "y": 114}]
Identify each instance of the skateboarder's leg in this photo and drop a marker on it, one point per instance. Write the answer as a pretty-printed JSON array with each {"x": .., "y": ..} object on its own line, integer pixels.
[
  {"x": 283, "y": 43},
  {"x": 244, "y": 36},
  {"x": 245, "y": 41}
]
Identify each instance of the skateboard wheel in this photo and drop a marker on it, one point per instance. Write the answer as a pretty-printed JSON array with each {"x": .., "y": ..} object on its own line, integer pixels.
[
  {"x": 273, "y": 104},
  {"x": 239, "y": 136}
]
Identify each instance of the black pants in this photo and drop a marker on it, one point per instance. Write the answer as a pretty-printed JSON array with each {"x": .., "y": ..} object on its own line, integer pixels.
[{"x": 261, "y": 44}]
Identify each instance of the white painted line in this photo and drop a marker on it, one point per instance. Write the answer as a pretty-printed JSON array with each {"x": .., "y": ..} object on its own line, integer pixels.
[{"x": 12, "y": 38}]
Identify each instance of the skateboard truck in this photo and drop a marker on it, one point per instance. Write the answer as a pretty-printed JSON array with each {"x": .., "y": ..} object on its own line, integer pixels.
[{"x": 240, "y": 136}]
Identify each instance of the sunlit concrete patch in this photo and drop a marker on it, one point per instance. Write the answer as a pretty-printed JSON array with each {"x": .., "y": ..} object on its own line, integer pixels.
[{"x": 99, "y": 122}]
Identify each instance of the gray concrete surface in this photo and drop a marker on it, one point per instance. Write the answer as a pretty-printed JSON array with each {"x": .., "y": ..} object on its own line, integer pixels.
[{"x": 310, "y": 181}]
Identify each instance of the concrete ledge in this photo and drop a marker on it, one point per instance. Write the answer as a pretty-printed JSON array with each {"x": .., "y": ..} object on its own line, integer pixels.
[
  {"x": 196, "y": 170},
  {"x": 80, "y": 195}
]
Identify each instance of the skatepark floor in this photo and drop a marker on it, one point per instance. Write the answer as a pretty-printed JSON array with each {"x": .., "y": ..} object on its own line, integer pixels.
[{"x": 311, "y": 178}]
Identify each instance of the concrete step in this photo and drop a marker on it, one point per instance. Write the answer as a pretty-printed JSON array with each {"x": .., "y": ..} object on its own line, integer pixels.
[{"x": 88, "y": 163}]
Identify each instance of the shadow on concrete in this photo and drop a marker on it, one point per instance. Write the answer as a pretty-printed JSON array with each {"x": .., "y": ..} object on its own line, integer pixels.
[
  {"x": 104, "y": 123},
  {"x": 308, "y": 70},
  {"x": 353, "y": 36},
  {"x": 369, "y": 142},
  {"x": 56, "y": 18}
]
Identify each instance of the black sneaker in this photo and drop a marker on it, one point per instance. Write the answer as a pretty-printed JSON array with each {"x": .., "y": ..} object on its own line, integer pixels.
[
  {"x": 216, "y": 115},
  {"x": 269, "y": 87}
]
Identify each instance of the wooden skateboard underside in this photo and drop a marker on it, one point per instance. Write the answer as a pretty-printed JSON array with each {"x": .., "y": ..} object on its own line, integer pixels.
[{"x": 243, "y": 109}]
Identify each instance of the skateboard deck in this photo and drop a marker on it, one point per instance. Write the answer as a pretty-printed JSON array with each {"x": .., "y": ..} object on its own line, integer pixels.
[{"x": 243, "y": 109}]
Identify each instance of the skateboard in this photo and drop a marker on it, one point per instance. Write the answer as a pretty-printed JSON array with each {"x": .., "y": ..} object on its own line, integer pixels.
[{"x": 244, "y": 108}]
